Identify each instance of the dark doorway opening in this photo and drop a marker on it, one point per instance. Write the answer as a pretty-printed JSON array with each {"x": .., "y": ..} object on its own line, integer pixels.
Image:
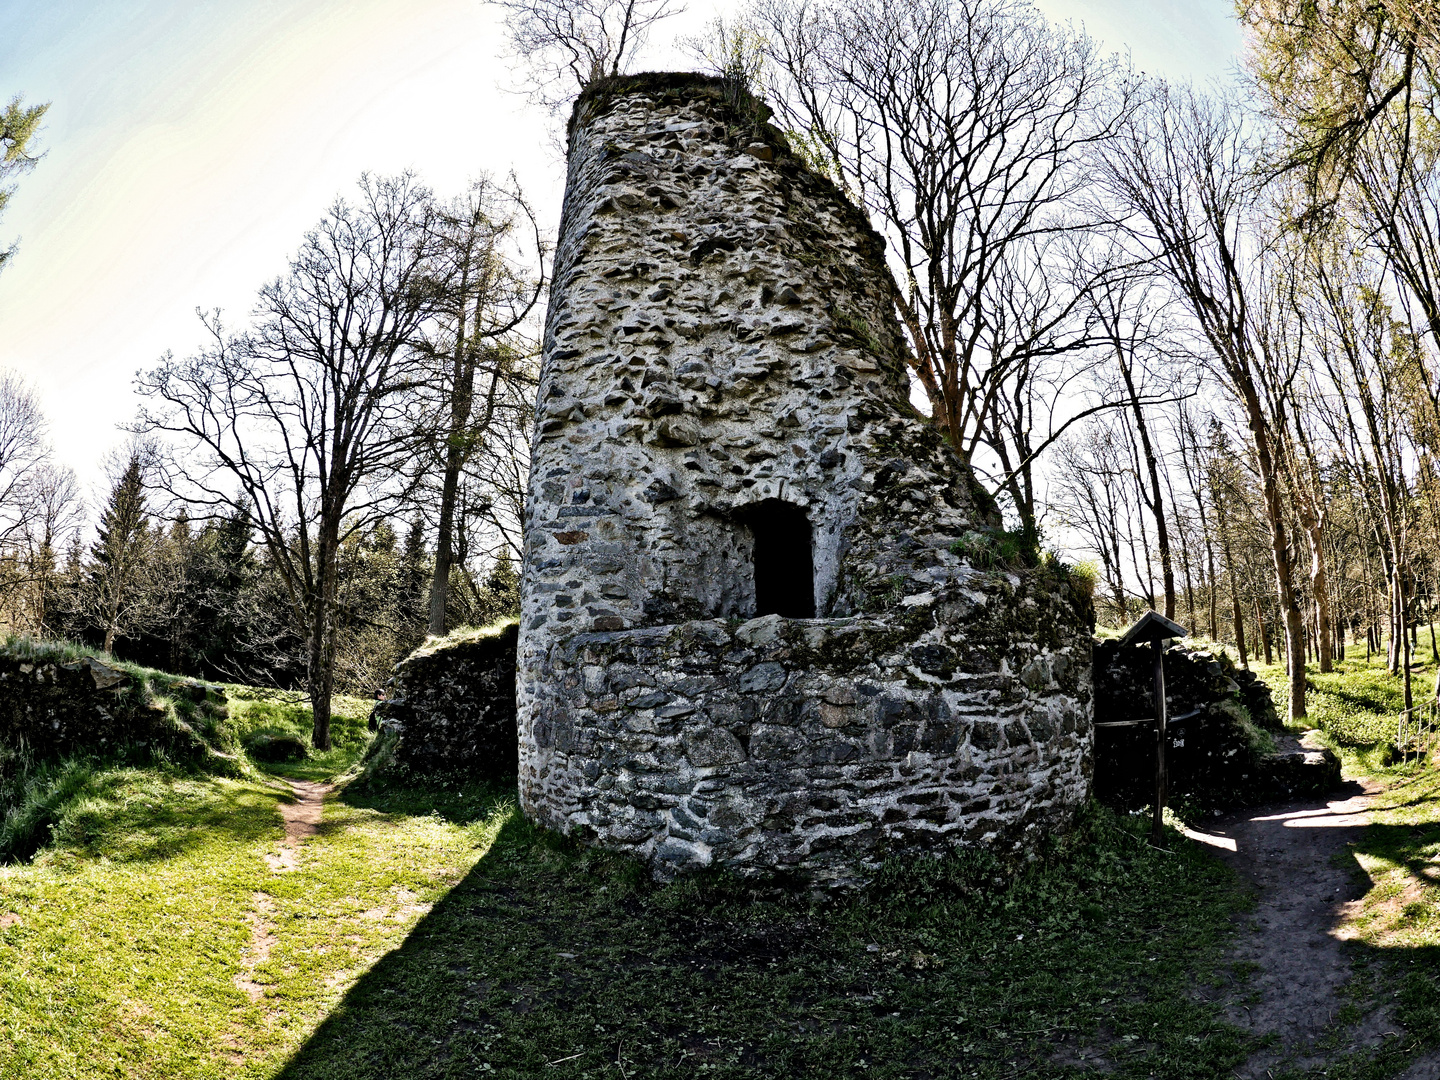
[{"x": 784, "y": 565}]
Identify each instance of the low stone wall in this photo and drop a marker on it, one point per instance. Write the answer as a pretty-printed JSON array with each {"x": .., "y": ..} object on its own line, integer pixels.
[
  {"x": 450, "y": 707},
  {"x": 811, "y": 748},
  {"x": 52, "y": 707},
  {"x": 1225, "y": 747}
]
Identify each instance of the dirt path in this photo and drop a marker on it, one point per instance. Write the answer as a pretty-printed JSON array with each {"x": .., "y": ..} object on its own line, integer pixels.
[
  {"x": 1297, "y": 855},
  {"x": 302, "y": 819}
]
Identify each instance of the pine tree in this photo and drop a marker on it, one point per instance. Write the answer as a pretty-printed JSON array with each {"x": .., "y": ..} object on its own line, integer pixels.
[
  {"x": 415, "y": 571},
  {"x": 500, "y": 596},
  {"x": 120, "y": 558}
]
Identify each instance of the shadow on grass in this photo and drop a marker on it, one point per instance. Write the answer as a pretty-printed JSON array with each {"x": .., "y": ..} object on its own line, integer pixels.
[
  {"x": 140, "y": 815},
  {"x": 552, "y": 960}
]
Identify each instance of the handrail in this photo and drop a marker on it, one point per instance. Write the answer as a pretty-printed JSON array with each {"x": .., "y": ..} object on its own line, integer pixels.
[
  {"x": 1418, "y": 725},
  {"x": 1147, "y": 720}
]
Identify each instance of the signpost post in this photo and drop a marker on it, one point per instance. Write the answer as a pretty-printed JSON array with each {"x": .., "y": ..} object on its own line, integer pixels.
[{"x": 1156, "y": 629}]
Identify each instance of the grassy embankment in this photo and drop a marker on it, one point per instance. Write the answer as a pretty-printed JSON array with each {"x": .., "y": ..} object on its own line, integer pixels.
[{"x": 430, "y": 935}]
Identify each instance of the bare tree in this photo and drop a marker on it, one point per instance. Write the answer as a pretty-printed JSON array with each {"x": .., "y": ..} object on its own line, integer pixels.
[
  {"x": 568, "y": 44},
  {"x": 306, "y": 422},
  {"x": 24, "y": 452},
  {"x": 960, "y": 126},
  {"x": 58, "y": 512},
  {"x": 1192, "y": 463},
  {"x": 1092, "y": 498},
  {"x": 485, "y": 238},
  {"x": 1128, "y": 315},
  {"x": 1182, "y": 173},
  {"x": 1362, "y": 351}
]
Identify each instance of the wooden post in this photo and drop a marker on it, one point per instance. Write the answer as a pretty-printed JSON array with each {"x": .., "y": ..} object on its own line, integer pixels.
[
  {"x": 1156, "y": 629},
  {"x": 1157, "y": 824}
]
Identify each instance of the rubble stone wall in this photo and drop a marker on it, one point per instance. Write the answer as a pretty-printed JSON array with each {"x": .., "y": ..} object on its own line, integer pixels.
[
  {"x": 53, "y": 706},
  {"x": 451, "y": 705},
  {"x": 720, "y": 336}
]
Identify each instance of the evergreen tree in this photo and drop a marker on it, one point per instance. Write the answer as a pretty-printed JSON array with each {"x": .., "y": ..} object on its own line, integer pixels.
[
  {"x": 499, "y": 598},
  {"x": 415, "y": 571},
  {"x": 19, "y": 125},
  {"x": 118, "y": 596}
]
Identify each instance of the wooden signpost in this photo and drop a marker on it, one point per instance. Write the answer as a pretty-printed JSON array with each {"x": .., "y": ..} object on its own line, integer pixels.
[{"x": 1156, "y": 629}]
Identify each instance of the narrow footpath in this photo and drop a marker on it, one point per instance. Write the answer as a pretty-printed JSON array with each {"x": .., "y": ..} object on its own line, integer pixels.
[{"x": 1298, "y": 856}]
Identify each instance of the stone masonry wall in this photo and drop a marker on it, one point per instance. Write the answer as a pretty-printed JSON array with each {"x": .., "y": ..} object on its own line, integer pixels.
[
  {"x": 451, "y": 705},
  {"x": 52, "y": 706},
  {"x": 720, "y": 336}
]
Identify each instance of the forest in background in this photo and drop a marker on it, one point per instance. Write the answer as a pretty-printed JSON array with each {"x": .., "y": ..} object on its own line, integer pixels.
[{"x": 1191, "y": 336}]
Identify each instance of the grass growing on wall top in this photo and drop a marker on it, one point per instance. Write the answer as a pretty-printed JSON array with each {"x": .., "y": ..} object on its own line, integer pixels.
[{"x": 463, "y": 635}]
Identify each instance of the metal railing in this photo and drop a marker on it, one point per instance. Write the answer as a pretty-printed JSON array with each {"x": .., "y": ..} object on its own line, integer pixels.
[{"x": 1418, "y": 731}]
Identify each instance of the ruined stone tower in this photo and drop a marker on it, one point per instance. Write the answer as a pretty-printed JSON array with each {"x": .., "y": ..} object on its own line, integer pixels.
[{"x": 762, "y": 621}]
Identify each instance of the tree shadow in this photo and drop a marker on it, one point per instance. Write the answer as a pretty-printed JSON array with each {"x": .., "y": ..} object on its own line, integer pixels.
[{"x": 137, "y": 816}]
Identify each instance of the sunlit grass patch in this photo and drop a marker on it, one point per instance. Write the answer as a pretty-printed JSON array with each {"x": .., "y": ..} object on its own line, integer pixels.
[
  {"x": 1357, "y": 706},
  {"x": 258, "y": 713},
  {"x": 129, "y": 947}
]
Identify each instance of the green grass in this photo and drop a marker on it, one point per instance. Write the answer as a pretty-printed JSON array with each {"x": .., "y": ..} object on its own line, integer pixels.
[
  {"x": 462, "y": 635},
  {"x": 438, "y": 934},
  {"x": 1356, "y": 708},
  {"x": 549, "y": 960},
  {"x": 132, "y": 935},
  {"x": 255, "y": 712}
]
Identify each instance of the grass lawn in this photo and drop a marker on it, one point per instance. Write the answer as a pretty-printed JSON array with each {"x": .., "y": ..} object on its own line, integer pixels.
[{"x": 437, "y": 934}]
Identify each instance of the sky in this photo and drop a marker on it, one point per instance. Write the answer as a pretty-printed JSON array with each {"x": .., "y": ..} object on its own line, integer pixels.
[{"x": 190, "y": 143}]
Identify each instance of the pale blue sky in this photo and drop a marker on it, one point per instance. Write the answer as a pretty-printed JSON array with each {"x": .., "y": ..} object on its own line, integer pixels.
[{"x": 191, "y": 142}]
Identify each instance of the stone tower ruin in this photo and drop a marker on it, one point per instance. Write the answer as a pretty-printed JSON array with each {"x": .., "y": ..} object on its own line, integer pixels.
[{"x": 763, "y": 623}]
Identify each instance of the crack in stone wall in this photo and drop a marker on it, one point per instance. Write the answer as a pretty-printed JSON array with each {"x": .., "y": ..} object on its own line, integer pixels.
[{"x": 720, "y": 334}]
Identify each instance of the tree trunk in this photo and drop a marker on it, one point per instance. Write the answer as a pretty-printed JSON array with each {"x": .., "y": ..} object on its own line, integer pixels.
[
  {"x": 1280, "y": 551},
  {"x": 1210, "y": 589},
  {"x": 1239, "y": 629},
  {"x": 1405, "y": 649},
  {"x": 462, "y": 399},
  {"x": 1313, "y": 519},
  {"x": 1234, "y": 593},
  {"x": 320, "y": 668},
  {"x": 1157, "y": 499},
  {"x": 1430, "y": 612}
]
